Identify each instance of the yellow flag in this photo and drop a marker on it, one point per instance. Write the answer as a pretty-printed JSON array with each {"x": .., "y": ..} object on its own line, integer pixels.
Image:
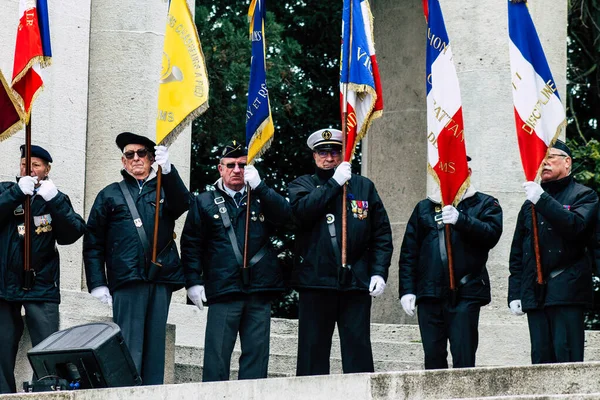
[{"x": 183, "y": 88}]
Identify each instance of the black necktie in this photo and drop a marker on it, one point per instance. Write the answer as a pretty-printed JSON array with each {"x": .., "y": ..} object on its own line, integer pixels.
[{"x": 237, "y": 198}]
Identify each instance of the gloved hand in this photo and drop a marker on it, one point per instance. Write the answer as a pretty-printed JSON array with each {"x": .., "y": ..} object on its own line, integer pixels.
[
  {"x": 534, "y": 191},
  {"x": 251, "y": 176},
  {"x": 342, "y": 173},
  {"x": 103, "y": 294},
  {"x": 377, "y": 286},
  {"x": 161, "y": 156},
  {"x": 449, "y": 215},
  {"x": 47, "y": 190},
  {"x": 27, "y": 184},
  {"x": 197, "y": 295},
  {"x": 408, "y": 302},
  {"x": 515, "y": 307}
]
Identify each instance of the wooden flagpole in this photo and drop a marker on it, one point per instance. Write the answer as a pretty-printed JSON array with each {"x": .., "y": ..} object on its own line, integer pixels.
[{"x": 28, "y": 273}]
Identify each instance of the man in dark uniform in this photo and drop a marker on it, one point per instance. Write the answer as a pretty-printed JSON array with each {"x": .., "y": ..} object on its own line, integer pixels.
[
  {"x": 53, "y": 221},
  {"x": 117, "y": 250},
  {"x": 566, "y": 216},
  {"x": 330, "y": 293},
  {"x": 212, "y": 254},
  {"x": 476, "y": 226}
]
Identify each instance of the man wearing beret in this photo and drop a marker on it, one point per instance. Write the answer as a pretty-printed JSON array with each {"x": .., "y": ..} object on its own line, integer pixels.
[
  {"x": 329, "y": 292},
  {"x": 118, "y": 244},
  {"x": 212, "y": 247},
  {"x": 476, "y": 227},
  {"x": 53, "y": 221},
  {"x": 566, "y": 216}
]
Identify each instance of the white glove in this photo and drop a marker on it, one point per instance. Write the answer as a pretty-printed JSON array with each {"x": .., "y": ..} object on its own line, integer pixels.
[
  {"x": 534, "y": 191},
  {"x": 408, "y": 304},
  {"x": 515, "y": 308},
  {"x": 343, "y": 172},
  {"x": 47, "y": 190},
  {"x": 449, "y": 215},
  {"x": 103, "y": 294},
  {"x": 377, "y": 286},
  {"x": 27, "y": 184},
  {"x": 197, "y": 295},
  {"x": 251, "y": 176},
  {"x": 161, "y": 156}
]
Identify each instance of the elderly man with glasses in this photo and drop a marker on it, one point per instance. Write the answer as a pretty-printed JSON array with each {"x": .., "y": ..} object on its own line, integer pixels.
[
  {"x": 566, "y": 216},
  {"x": 213, "y": 243},
  {"x": 329, "y": 292},
  {"x": 117, "y": 250}
]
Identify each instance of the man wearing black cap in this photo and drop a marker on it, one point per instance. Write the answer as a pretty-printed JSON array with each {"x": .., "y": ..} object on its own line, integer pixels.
[
  {"x": 476, "y": 226},
  {"x": 566, "y": 216},
  {"x": 330, "y": 293},
  {"x": 53, "y": 221},
  {"x": 118, "y": 244},
  {"x": 212, "y": 247}
]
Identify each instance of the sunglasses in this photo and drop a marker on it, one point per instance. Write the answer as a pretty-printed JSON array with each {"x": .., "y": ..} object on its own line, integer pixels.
[
  {"x": 232, "y": 165},
  {"x": 141, "y": 153},
  {"x": 324, "y": 153}
]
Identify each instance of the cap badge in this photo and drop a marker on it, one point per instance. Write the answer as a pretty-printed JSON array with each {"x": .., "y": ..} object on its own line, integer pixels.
[{"x": 326, "y": 135}]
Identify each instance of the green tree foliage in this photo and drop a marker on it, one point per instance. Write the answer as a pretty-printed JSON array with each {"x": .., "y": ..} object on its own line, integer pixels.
[{"x": 583, "y": 106}]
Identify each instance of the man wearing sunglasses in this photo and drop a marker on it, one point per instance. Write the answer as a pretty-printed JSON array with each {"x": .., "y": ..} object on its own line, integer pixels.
[
  {"x": 212, "y": 253},
  {"x": 53, "y": 221},
  {"x": 566, "y": 217},
  {"x": 330, "y": 293},
  {"x": 117, "y": 250}
]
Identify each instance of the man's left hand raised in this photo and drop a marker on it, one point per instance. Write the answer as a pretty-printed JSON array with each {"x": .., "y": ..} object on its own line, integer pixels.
[
  {"x": 161, "y": 157},
  {"x": 47, "y": 190},
  {"x": 251, "y": 176}
]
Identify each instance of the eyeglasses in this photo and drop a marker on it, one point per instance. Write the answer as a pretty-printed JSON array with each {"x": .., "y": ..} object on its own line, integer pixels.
[
  {"x": 232, "y": 165},
  {"x": 553, "y": 156},
  {"x": 324, "y": 153},
  {"x": 141, "y": 153}
]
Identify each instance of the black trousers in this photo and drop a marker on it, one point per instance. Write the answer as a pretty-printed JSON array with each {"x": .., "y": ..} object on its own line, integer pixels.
[
  {"x": 319, "y": 310},
  {"x": 557, "y": 334},
  {"x": 141, "y": 310},
  {"x": 439, "y": 323},
  {"x": 251, "y": 317},
  {"x": 42, "y": 321}
]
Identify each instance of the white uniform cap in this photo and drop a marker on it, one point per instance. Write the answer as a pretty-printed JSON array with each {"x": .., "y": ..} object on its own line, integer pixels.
[{"x": 324, "y": 137}]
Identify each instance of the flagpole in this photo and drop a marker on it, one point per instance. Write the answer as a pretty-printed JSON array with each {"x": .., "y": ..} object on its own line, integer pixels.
[
  {"x": 538, "y": 259},
  {"x": 344, "y": 194},
  {"x": 28, "y": 273},
  {"x": 154, "y": 267},
  {"x": 245, "y": 270}
]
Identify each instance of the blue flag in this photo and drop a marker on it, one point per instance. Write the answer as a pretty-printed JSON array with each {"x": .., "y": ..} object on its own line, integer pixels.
[{"x": 259, "y": 122}]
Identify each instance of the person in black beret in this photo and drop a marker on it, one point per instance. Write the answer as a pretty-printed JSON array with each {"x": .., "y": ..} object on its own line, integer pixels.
[
  {"x": 212, "y": 246},
  {"x": 118, "y": 245},
  {"x": 53, "y": 221},
  {"x": 566, "y": 214}
]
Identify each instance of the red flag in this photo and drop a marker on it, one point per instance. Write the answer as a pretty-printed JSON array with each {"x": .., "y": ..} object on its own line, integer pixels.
[
  {"x": 32, "y": 51},
  {"x": 10, "y": 120}
]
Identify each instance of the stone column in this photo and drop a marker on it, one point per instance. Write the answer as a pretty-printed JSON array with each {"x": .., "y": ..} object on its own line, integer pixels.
[
  {"x": 59, "y": 114},
  {"x": 396, "y": 150},
  {"x": 126, "y": 45}
]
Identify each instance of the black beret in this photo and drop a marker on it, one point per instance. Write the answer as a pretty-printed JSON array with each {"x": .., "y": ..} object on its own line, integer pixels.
[
  {"x": 125, "y": 138},
  {"x": 37, "y": 151},
  {"x": 559, "y": 144},
  {"x": 233, "y": 150}
]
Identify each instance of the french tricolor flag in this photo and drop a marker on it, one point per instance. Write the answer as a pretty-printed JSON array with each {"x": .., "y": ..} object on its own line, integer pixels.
[
  {"x": 32, "y": 52},
  {"x": 446, "y": 151},
  {"x": 359, "y": 73},
  {"x": 539, "y": 114}
]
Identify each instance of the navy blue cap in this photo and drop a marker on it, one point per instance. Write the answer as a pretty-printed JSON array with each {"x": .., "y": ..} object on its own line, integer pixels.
[
  {"x": 125, "y": 138},
  {"x": 559, "y": 144},
  {"x": 234, "y": 149},
  {"x": 37, "y": 151}
]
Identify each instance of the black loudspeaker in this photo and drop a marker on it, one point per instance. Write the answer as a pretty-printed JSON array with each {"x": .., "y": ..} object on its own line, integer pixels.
[{"x": 87, "y": 356}]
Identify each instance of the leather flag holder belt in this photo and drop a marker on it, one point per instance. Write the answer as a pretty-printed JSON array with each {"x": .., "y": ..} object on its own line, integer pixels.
[{"x": 244, "y": 272}]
